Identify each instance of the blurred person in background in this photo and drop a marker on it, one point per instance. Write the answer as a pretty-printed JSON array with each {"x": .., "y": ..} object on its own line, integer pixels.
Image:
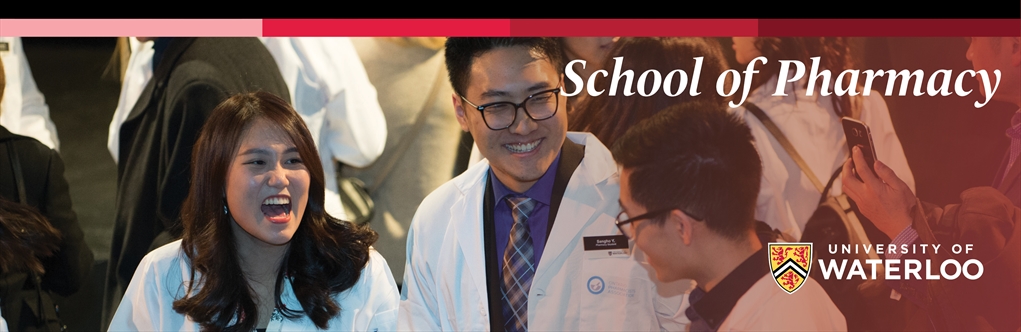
[
  {"x": 327, "y": 85},
  {"x": 986, "y": 217},
  {"x": 26, "y": 238},
  {"x": 789, "y": 197},
  {"x": 137, "y": 72},
  {"x": 329, "y": 88},
  {"x": 32, "y": 177},
  {"x": 608, "y": 117},
  {"x": 25, "y": 110},
  {"x": 423, "y": 134},
  {"x": 811, "y": 123},
  {"x": 594, "y": 50}
]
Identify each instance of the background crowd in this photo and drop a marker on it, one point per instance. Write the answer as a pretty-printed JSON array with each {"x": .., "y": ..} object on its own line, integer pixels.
[{"x": 379, "y": 110}]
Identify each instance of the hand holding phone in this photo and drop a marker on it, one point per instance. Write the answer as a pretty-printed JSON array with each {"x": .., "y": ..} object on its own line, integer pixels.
[{"x": 858, "y": 134}]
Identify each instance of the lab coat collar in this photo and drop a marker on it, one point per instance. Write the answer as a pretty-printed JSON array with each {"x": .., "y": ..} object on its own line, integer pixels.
[
  {"x": 714, "y": 306},
  {"x": 598, "y": 163},
  {"x": 597, "y": 166}
]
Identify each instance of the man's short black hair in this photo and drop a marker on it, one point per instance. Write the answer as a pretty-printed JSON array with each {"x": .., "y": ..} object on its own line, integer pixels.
[
  {"x": 699, "y": 158},
  {"x": 461, "y": 53}
]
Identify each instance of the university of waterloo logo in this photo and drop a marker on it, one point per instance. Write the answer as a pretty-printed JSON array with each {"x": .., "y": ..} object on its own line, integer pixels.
[{"x": 790, "y": 263}]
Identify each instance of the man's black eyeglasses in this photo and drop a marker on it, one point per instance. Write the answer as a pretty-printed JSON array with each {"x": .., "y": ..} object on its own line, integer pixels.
[
  {"x": 501, "y": 115},
  {"x": 625, "y": 224}
]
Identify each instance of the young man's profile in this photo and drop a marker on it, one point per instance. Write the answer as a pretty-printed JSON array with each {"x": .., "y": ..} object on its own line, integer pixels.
[{"x": 689, "y": 180}]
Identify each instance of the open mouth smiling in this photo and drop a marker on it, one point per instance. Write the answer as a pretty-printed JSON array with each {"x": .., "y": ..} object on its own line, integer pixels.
[
  {"x": 523, "y": 147},
  {"x": 277, "y": 209}
]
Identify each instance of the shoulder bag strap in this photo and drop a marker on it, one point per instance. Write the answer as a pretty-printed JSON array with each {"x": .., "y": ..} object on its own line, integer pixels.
[
  {"x": 405, "y": 142},
  {"x": 19, "y": 179},
  {"x": 775, "y": 131},
  {"x": 44, "y": 305}
]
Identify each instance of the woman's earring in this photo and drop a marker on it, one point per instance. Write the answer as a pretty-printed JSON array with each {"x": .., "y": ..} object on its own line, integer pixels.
[{"x": 225, "y": 209}]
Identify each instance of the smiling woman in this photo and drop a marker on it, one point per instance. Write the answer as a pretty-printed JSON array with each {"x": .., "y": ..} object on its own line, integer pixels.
[
  {"x": 258, "y": 250},
  {"x": 266, "y": 176}
]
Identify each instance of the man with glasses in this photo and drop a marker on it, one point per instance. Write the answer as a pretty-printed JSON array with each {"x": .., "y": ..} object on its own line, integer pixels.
[
  {"x": 525, "y": 239},
  {"x": 689, "y": 180}
]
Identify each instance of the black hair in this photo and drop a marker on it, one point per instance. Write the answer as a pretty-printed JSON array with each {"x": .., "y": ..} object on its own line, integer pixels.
[
  {"x": 461, "y": 53},
  {"x": 699, "y": 158}
]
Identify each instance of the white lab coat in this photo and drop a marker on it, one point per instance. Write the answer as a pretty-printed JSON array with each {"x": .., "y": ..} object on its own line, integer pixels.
[
  {"x": 161, "y": 277},
  {"x": 3, "y": 323},
  {"x": 329, "y": 88},
  {"x": 136, "y": 76},
  {"x": 332, "y": 93},
  {"x": 23, "y": 110},
  {"x": 787, "y": 198},
  {"x": 766, "y": 307},
  {"x": 445, "y": 277}
]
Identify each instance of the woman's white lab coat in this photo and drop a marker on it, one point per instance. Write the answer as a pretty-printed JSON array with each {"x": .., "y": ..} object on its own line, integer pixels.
[{"x": 161, "y": 277}]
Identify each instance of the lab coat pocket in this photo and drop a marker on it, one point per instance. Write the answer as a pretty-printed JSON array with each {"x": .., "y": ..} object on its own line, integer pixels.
[{"x": 614, "y": 298}]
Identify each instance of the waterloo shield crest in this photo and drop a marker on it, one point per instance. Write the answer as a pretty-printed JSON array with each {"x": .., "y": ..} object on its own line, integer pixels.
[{"x": 790, "y": 263}]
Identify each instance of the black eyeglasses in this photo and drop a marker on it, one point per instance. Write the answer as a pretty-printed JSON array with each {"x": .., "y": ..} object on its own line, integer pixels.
[
  {"x": 501, "y": 115},
  {"x": 625, "y": 224}
]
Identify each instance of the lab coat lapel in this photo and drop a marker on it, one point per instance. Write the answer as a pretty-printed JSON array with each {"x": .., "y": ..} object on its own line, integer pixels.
[
  {"x": 578, "y": 204},
  {"x": 468, "y": 230}
]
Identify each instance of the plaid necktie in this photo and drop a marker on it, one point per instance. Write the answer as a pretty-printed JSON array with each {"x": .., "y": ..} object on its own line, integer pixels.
[{"x": 518, "y": 266}]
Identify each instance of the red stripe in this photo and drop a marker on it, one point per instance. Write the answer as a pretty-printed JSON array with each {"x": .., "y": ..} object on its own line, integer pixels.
[
  {"x": 385, "y": 27},
  {"x": 890, "y": 27},
  {"x": 633, "y": 27},
  {"x": 518, "y": 27}
]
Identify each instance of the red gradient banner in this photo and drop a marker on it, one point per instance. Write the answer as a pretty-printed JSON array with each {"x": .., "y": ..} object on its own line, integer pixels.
[
  {"x": 889, "y": 27},
  {"x": 385, "y": 27}
]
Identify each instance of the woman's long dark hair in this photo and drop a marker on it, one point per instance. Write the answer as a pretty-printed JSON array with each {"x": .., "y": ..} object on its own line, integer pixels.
[
  {"x": 326, "y": 255},
  {"x": 834, "y": 54},
  {"x": 608, "y": 117}
]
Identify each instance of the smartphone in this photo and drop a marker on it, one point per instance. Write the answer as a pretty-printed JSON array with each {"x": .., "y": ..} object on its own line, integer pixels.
[{"x": 858, "y": 134}]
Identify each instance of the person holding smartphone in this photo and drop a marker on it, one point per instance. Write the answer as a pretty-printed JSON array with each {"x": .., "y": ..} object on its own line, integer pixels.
[
  {"x": 988, "y": 218},
  {"x": 812, "y": 124}
]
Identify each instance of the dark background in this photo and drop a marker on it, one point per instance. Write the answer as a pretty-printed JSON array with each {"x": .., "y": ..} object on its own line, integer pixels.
[{"x": 950, "y": 145}]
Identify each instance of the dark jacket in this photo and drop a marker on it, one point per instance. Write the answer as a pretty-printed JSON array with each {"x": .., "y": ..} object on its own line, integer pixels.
[
  {"x": 988, "y": 220},
  {"x": 191, "y": 77},
  {"x": 46, "y": 190}
]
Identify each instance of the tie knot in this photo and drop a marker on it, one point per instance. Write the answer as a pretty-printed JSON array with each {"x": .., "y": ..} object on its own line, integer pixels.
[{"x": 520, "y": 206}]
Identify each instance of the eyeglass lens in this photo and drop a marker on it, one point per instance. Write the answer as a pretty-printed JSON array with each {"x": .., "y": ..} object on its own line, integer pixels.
[{"x": 540, "y": 106}]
